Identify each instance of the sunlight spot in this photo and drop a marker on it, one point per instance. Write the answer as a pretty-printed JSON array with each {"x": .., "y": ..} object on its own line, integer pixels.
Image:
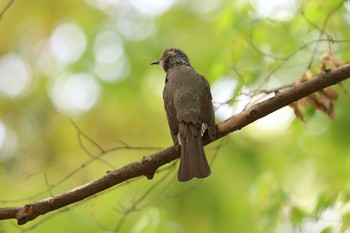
[
  {"x": 347, "y": 14},
  {"x": 275, "y": 123},
  {"x": 111, "y": 63},
  {"x": 347, "y": 5},
  {"x": 68, "y": 42},
  {"x": 112, "y": 71},
  {"x": 108, "y": 47},
  {"x": 222, "y": 91},
  {"x": 151, "y": 7},
  {"x": 46, "y": 61},
  {"x": 330, "y": 218},
  {"x": 104, "y": 5},
  {"x": 202, "y": 7},
  {"x": 15, "y": 75},
  {"x": 133, "y": 19},
  {"x": 75, "y": 94},
  {"x": 275, "y": 9},
  {"x": 8, "y": 142},
  {"x": 2, "y": 134},
  {"x": 134, "y": 26}
]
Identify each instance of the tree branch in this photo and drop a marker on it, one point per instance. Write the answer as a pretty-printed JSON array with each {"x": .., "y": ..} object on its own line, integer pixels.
[{"x": 148, "y": 165}]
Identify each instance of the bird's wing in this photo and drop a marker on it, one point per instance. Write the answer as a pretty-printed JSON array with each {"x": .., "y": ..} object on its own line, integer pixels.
[
  {"x": 170, "y": 110},
  {"x": 207, "y": 115}
]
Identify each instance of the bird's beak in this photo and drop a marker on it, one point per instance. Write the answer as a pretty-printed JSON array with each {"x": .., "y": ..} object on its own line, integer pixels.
[{"x": 154, "y": 63}]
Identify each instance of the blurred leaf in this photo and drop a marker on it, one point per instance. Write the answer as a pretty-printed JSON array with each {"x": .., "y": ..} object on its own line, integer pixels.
[
  {"x": 298, "y": 215},
  {"x": 327, "y": 230},
  {"x": 324, "y": 201}
]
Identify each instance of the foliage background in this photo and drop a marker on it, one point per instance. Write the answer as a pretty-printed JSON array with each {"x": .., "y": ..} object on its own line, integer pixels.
[{"x": 89, "y": 61}]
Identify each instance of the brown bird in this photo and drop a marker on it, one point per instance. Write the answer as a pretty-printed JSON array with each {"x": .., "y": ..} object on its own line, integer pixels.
[{"x": 188, "y": 106}]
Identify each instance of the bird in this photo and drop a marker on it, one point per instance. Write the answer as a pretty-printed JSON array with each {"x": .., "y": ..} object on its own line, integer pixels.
[{"x": 189, "y": 110}]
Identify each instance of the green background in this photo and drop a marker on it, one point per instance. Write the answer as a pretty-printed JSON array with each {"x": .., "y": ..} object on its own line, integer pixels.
[{"x": 268, "y": 177}]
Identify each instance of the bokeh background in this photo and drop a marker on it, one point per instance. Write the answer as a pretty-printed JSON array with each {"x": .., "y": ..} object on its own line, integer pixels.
[{"x": 83, "y": 66}]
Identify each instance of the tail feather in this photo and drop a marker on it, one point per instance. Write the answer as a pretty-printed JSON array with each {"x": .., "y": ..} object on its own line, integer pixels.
[{"x": 193, "y": 162}]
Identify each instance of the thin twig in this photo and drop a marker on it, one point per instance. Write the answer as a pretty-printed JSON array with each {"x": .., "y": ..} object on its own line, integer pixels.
[
  {"x": 87, "y": 137},
  {"x": 134, "y": 205},
  {"x": 49, "y": 187},
  {"x": 6, "y": 7},
  {"x": 75, "y": 171},
  {"x": 322, "y": 32}
]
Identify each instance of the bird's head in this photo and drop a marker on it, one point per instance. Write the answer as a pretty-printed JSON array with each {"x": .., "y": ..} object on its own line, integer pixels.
[{"x": 172, "y": 57}]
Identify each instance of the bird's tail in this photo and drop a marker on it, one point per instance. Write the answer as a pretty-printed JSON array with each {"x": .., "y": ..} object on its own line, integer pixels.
[{"x": 193, "y": 162}]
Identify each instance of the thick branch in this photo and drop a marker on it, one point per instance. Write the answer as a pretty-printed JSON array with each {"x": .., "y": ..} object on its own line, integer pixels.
[
  {"x": 283, "y": 99},
  {"x": 149, "y": 164}
]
